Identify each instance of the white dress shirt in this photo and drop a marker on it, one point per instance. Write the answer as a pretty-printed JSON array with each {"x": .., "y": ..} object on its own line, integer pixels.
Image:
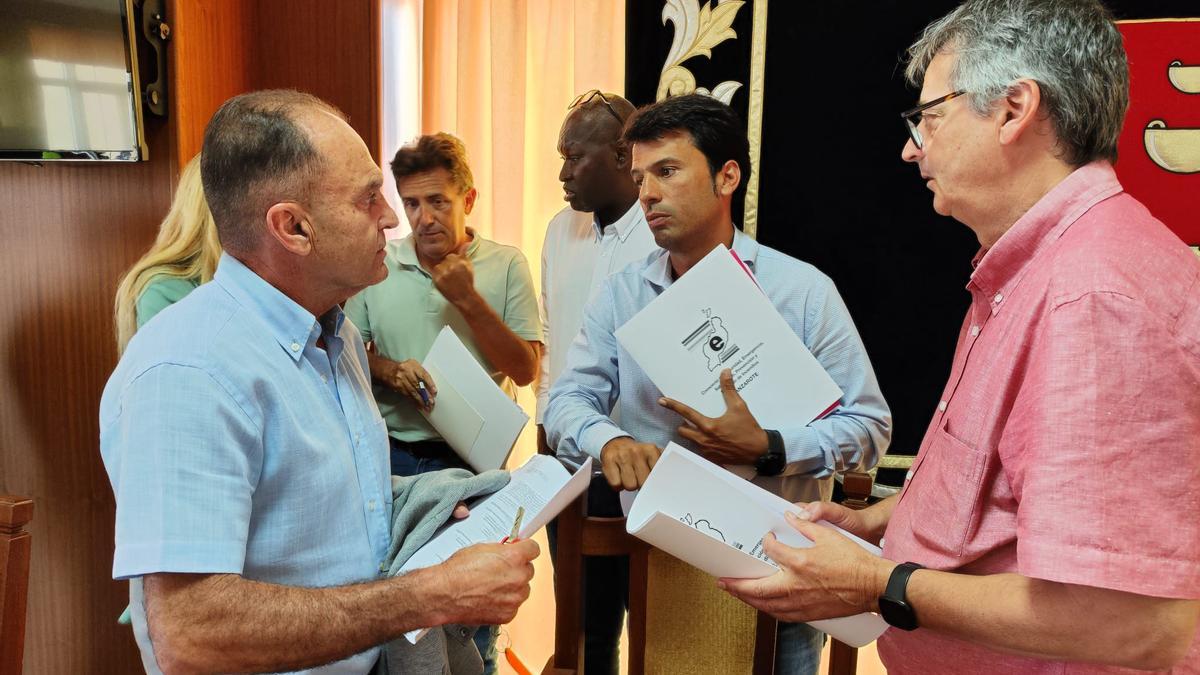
[{"x": 577, "y": 257}]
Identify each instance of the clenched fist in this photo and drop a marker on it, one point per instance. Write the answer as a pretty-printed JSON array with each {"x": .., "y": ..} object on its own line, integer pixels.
[{"x": 454, "y": 277}]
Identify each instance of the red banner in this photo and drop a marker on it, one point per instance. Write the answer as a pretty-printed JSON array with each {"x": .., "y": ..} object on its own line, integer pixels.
[{"x": 1160, "y": 146}]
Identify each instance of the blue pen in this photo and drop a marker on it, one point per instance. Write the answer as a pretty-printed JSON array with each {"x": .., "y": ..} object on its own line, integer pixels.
[{"x": 423, "y": 392}]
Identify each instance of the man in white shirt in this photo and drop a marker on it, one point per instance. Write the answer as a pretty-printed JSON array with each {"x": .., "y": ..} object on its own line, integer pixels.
[{"x": 603, "y": 231}]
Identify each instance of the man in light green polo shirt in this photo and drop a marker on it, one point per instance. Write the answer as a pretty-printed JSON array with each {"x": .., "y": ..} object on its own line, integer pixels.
[{"x": 443, "y": 274}]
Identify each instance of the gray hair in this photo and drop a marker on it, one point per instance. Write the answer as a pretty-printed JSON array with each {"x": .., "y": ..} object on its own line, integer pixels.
[
  {"x": 1071, "y": 48},
  {"x": 256, "y": 155}
]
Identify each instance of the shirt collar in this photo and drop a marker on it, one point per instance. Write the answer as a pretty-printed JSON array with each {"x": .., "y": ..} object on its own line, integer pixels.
[
  {"x": 293, "y": 327},
  {"x": 406, "y": 250},
  {"x": 625, "y": 224},
  {"x": 1000, "y": 266},
  {"x": 658, "y": 271}
]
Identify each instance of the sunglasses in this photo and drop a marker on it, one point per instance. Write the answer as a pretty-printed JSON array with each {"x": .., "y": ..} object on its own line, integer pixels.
[{"x": 587, "y": 96}]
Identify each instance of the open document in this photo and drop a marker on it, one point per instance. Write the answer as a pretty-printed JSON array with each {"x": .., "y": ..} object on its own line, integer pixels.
[
  {"x": 716, "y": 521},
  {"x": 541, "y": 487},
  {"x": 716, "y": 317},
  {"x": 470, "y": 412}
]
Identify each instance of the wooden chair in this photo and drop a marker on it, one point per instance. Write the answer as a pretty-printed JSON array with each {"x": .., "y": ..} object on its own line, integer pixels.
[
  {"x": 664, "y": 597},
  {"x": 15, "y": 514}
]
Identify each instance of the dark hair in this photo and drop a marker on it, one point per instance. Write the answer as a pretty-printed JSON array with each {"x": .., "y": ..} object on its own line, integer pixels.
[
  {"x": 716, "y": 131},
  {"x": 431, "y": 152},
  {"x": 255, "y": 155}
]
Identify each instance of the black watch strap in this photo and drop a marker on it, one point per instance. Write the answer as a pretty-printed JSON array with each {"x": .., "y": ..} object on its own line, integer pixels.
[
  {"x": 775, "y": 461},
  {"x": 893, "y": 604}
]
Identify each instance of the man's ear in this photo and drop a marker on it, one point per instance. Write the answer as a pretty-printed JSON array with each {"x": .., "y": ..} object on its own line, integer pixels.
[
  {"x": 290, "y": 225},
  {"x": 469, "y": 200},
  {"x": 622, "y": 151},
  {"x": 1020, "y": 109},
  {"x": 728, "y": 178}
]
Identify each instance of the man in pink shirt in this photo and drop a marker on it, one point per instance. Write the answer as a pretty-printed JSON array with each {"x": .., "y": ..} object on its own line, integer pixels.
[{"x": 1049, "y": 523}]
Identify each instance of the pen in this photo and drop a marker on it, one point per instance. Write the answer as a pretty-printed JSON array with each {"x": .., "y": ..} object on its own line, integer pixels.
[
  {"x": 516, "y": 528},
  {"x": 423, "y": 392}
]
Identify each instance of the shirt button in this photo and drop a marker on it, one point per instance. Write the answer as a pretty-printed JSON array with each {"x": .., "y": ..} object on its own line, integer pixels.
[
  {"x": 941, "y": 406},
  {"x": 324, "y": 379},
  {"x": 371, "y": 505},
  {"x": 382, "y": 567},
  {"x": 974, "y": 331},
  {"x": 998, "y": 298},
  {"x": 908, "y": 476},
  {"x": 295, "y": 346}
]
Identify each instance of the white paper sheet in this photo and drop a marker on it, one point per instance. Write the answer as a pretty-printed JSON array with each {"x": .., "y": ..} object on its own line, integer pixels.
[
  {"x": 541, "y": 486},
  {"x": 716, "y": 317},
  {"x": 716, "y": 521},
  {"x": 477, "y": 419}
]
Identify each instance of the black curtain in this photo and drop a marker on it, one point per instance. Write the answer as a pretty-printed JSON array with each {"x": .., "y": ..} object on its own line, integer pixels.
[{"x": 833, "y": 190}]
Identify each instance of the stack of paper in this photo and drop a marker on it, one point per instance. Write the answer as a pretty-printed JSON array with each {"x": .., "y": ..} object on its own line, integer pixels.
[
  {"x": 716, "y": 317},
  {"x": 542, "y": 487},
  {"x": 470, "y": 411},
  {"x": 714, "y": 520}
]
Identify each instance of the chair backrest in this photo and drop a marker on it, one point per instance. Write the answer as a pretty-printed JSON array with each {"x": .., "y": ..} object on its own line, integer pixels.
[
  {"x": 15, "y": 514},
  {"x": 667, "y": 599},
  {"x": 843, "y": 659}
]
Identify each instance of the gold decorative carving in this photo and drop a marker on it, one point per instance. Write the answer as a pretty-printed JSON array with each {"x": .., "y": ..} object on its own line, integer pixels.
[
  {"x": 754, "y": 115},
  {"x": 1176, "y": 150},
  {"x": 697, "y": 30}
]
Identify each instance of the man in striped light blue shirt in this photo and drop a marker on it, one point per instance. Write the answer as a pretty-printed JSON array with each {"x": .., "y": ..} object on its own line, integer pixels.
[{"x": 689, "y": 157}]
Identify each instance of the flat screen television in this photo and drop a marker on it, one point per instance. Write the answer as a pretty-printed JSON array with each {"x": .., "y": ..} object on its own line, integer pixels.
[{"x": 68, "y": 81}]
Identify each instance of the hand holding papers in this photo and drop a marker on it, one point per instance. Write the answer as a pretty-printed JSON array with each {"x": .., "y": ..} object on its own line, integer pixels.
[
  {"x": 716, "y": 317},
  {"x": 474, "y": 415},
  {"x": 539, "y": 490},
  {"x": 710, "y": 518}
]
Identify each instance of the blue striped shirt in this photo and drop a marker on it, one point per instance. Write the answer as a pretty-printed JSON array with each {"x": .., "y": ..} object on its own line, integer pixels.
[
  {"x": 598, "y": 372},
  {"x": 235, "y": 445}
]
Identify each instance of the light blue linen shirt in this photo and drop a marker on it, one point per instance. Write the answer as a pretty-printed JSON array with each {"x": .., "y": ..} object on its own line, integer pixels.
[
  {"x": 235, "y": 445},
  {"x": 599, "y": 371}
]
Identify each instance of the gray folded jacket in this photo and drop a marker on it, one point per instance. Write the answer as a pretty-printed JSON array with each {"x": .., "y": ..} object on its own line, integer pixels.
[{"x": 420, "y": 505}]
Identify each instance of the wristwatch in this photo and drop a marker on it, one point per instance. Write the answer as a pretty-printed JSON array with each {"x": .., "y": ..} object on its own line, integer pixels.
[
  {"x": 893, "y": 604},
  {"x": 772, "y": 463}
]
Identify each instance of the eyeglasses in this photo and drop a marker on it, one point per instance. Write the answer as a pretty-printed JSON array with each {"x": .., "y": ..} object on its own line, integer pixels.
[
  {"x": 912, "y": 118},
  {"x": 587, "y": 96}
]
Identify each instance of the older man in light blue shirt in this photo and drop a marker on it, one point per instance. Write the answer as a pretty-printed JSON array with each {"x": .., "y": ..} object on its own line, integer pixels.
[
  {"x": 247, "y": 456},
  {"x": 689, "y": 156},
  {"x": 236, "y": 445}
]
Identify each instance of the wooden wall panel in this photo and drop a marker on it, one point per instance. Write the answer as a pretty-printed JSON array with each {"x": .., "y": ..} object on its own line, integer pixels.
[
  {"x": 329, "y": 49},
  {"x": 211, "y": 59},
  {"x": 69, "y": 232}
]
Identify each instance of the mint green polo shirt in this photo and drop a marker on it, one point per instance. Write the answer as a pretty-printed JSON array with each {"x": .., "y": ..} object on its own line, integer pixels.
[
  {"x": 404, "y": 313},
  {"x": 162, "y": 291}
]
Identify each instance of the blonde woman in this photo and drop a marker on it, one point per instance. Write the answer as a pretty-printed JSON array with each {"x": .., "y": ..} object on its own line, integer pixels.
[{"x": 184, "y": 255}]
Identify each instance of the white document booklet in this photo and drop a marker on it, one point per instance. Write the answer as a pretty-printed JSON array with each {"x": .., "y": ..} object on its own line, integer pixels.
[
  {"x": 541, "y": 486},
  {"x": 716, "y": 317},
  {"x": 470, "y": 411},
  {"x": 716, "y": 521}
]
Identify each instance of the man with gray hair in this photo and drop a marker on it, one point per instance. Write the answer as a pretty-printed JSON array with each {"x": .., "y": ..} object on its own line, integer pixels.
[
  {"x": 1028, "y": 537},
  {"x": 247, "y": 456}
]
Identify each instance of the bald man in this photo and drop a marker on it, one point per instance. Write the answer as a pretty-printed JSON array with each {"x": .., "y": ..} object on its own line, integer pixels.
[{"x": 603, "y": 230}]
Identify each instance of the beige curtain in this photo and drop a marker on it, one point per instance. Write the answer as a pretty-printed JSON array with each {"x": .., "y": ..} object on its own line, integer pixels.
[{"x": 499, "y": 74}]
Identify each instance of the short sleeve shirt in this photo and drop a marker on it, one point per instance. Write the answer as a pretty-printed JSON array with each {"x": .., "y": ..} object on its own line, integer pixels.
[
  {"x": 404, "y": 313},
  {"x": 1064, "y": 446},
  {"x": 235, "y": 445}
]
